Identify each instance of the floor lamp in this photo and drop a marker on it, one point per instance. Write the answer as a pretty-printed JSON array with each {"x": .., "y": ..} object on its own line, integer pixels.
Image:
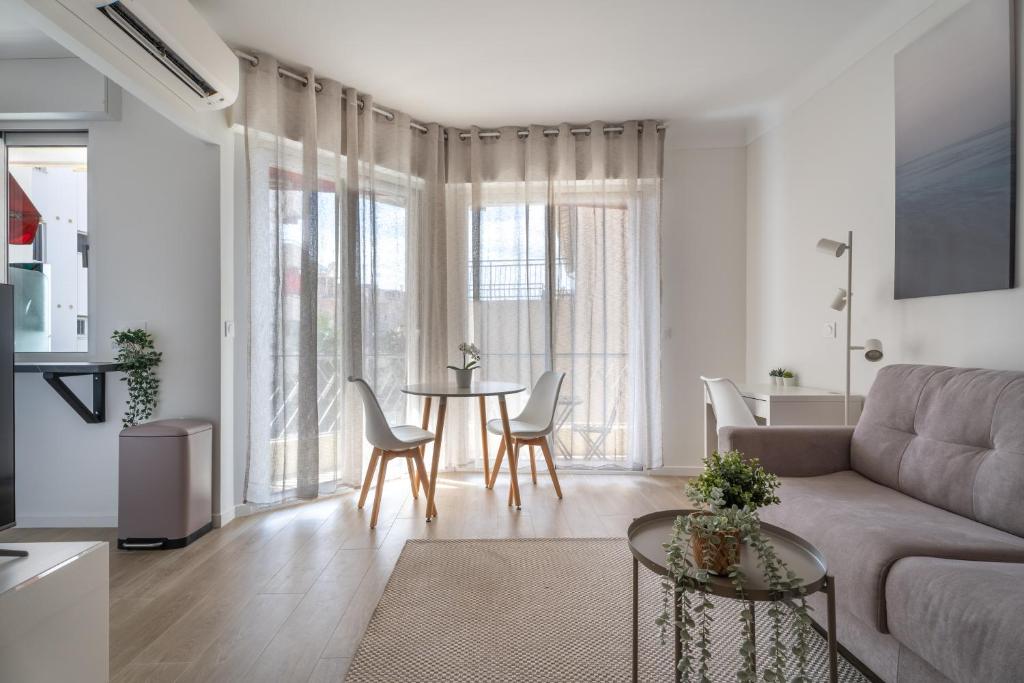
[{"x": 844, "y": 299}]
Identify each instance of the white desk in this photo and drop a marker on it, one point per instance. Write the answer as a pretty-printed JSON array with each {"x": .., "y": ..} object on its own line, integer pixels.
[
  {"x": 54, "y": 613},
  {"x": 773, "y": 405}
]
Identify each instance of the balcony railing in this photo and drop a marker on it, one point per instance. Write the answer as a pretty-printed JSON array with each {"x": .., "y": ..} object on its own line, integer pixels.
[{"x": 494, "y": 279}]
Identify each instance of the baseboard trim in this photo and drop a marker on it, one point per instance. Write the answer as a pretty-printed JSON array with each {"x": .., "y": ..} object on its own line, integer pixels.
[
  {"x": 31, "y": 522},
  {"x": 676, "y": 471}
]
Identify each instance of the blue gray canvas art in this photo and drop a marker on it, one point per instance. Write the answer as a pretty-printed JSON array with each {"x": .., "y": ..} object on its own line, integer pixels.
[{"x": 956, "y": 156}]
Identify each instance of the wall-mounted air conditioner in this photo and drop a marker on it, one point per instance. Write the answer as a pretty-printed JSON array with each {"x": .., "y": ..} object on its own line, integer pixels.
[{"x": 168, "y": 39}]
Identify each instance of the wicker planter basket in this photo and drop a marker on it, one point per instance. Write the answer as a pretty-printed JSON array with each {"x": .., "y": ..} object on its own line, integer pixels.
[{"x": 716, "y": 557}]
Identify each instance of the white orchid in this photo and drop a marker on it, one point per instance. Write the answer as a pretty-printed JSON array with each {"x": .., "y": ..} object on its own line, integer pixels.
[{"x": 470, "y": 356}]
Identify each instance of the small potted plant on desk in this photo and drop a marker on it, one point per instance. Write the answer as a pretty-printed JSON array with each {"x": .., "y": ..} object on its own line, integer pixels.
[
  {"x": 470, "y": 362},
  {"x": 788, "y": 378},
  {"x": 776, "y": 376},
  {"x": 709, "y": 542}
]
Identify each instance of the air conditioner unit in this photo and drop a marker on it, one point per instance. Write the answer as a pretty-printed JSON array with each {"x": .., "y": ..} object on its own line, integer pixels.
[{"x": 168, "y": 39}]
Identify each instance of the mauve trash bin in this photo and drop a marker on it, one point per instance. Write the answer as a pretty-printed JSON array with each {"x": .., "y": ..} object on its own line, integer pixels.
[{"x": 165, "y": 486}]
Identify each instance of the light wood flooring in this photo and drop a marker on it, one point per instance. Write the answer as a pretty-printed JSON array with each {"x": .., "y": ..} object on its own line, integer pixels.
[{"x": 285, "y": 595}]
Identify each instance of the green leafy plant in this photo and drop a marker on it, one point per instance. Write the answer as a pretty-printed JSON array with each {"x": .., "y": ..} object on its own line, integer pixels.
[
  {"x": 728, "y": 494},
  {"x": 138, "y": 359},
  {"x": 741, "y": 482},
  {"x": 777, "y": 372},
  {"x": 788, "y": 374}
]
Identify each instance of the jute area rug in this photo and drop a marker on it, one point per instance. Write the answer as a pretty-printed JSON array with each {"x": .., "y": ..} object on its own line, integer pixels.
[{"x": 482, "y": 611}]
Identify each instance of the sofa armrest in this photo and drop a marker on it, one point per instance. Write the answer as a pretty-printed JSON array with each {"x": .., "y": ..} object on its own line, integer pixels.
[{"x": 791, "y": 451}]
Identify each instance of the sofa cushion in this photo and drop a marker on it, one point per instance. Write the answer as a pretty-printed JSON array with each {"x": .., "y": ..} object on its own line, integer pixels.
[
  {"x": 952, "y": 437},
  {"x": 964, "y": 618},
  {"x": 863, "y": 528}
]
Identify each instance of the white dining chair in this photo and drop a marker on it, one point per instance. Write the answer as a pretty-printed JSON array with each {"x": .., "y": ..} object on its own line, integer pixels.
[
  {"x": 727, "y": 402},
  {"x": 403, "y": 441},
  {"x": 531, "y": 428}
]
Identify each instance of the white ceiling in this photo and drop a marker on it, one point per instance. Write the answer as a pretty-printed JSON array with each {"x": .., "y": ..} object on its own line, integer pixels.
[
  {"x": 20, "y": 40},
  {"x": 482, "y": 62}
]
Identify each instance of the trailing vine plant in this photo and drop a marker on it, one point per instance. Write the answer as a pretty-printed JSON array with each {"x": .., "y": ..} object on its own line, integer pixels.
[
  {"x": 728, "y": 494},
  {"x": 138, "y": 359}
]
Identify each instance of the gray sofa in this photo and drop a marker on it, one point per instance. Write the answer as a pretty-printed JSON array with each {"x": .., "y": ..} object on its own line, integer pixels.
[{"x": 919, "y": 511}]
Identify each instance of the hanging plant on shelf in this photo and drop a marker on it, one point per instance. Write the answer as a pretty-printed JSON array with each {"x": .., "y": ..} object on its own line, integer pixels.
[
  {"x": 138, "y": 360},
  {"x": 708, "y": 543}
]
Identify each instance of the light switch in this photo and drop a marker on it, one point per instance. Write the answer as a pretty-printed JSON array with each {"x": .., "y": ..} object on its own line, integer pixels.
[{"x": 829, "y": 331}]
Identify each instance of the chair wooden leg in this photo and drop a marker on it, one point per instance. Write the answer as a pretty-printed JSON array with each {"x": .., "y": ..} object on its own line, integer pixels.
[
  {"x": 551, "y": 466},
  {"x": 422, "y": 470},
  {"x": 369, "y": 478},
  {"x": 423, "y": 449},
  {"x": 497, "y": 464},
  {"x": 412, "y": 476},
  {"x": 380, "y": 488},
  {"x": 533, "y": 465}
]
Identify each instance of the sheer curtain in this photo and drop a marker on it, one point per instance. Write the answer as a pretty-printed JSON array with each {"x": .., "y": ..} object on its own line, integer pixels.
[
  {"x": 558, "y": 239},
  {"x": 375, "y": 248},
  {"x": 346, "y": 275}
]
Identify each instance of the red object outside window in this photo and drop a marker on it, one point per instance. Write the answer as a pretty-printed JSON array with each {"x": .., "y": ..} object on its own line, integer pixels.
[{"x": 24, "y": 217}]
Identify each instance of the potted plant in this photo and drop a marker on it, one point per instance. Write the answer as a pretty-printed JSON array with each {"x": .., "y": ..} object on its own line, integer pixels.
[
  {"x": 138, "y": 359},
  {"x": 788, "y": 378},
  {"x": 470, "y": 362},
  {"x": 776, "y": 376},
  {"x": 709, "y": 542},
  {"x": 729, "y": 485}
]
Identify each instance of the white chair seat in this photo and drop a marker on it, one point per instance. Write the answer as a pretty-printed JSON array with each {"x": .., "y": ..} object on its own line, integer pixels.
[
  {"x": 521, "y": 429},
  {"x": 411, "y": 435}
]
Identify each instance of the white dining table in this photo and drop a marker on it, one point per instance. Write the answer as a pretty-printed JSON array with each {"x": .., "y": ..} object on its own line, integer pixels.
[{"x": 479, "y": 390}]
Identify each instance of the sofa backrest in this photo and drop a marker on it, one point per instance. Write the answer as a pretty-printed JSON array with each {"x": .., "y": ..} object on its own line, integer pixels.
[{"x": 951, "y": 437}]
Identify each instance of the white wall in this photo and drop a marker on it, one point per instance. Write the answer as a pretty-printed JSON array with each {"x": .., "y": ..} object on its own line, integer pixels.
[
  {"x": 703, "y": 289},
  {"x": 75, "y": 91},
  {"x": 827, "y": 168},
  {"x": 155, "y": 229}
]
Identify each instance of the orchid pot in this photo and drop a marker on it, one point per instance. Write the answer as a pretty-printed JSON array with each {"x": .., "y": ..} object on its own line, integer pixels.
[{"x": 463, "y": 377}]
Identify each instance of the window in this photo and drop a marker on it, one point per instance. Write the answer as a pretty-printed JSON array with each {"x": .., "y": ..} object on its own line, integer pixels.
[{"x": 47, "y": 243}]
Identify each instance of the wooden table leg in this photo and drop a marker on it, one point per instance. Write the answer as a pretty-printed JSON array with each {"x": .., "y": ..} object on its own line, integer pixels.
[
  {"x": 510, "y": 455},
  {"x": 483, "y": 441},
  {"x": 425, "y": 424},
  {"x": 442, "y": 405}
]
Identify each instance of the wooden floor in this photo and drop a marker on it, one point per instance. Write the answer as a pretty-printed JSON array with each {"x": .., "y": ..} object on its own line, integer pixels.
[{"x": 285, "y": 595}]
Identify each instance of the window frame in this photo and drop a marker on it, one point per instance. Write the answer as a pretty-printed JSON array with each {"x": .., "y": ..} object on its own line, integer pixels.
[{"x": 21, "y": 137}]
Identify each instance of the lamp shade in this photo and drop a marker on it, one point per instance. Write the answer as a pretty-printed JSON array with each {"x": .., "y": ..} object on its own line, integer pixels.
[
  {"x": 832, "y": 247},
  {"x": 873, "y": 350},
  {"x": 839, "y": 300}
]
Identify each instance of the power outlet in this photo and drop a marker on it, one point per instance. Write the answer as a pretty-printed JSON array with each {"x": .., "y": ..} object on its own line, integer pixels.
[{"x": 828, "y": 330}]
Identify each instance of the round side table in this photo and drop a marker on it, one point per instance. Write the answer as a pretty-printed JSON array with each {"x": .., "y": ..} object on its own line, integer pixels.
[{"x": 649, "y": 534}]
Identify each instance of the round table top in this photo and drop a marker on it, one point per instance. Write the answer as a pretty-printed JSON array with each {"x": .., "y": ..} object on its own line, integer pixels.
[
  {"x": 648, "y": 535},
  {"x": 449, "y": 389}
]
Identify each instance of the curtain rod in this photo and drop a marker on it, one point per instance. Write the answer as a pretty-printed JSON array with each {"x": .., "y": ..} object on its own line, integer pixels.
[{"x": 390, "y": 116}]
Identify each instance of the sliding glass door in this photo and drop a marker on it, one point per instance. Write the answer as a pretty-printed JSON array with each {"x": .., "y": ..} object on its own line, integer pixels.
[{"x": 548, "y": 288}]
